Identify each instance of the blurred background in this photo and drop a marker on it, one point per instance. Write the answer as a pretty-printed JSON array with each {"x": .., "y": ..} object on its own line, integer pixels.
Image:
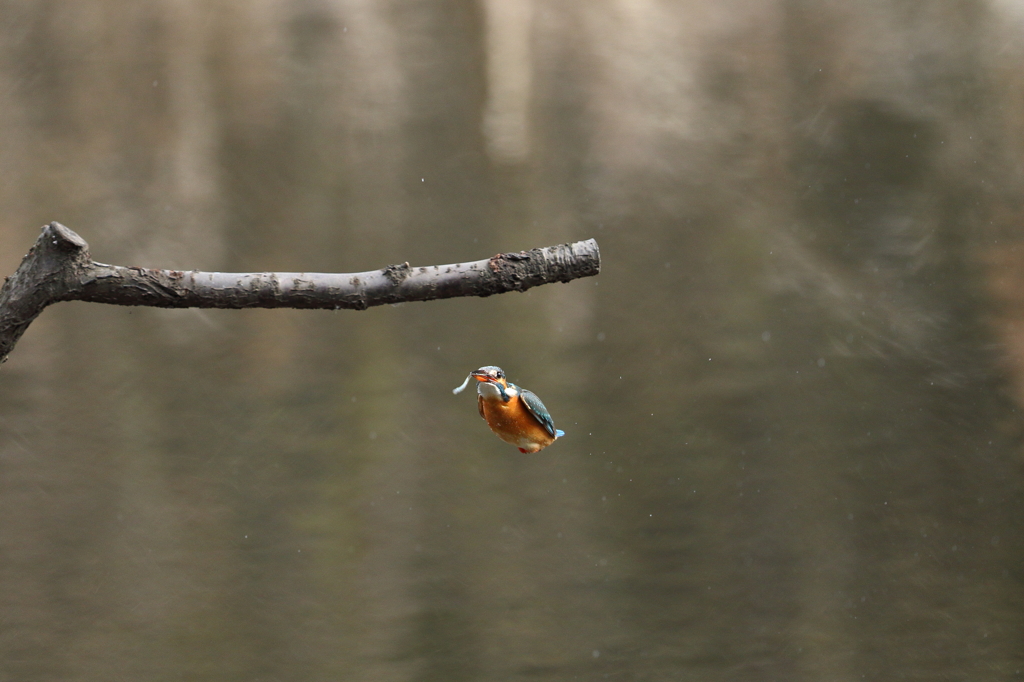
[{"x": 792, "y": 397}]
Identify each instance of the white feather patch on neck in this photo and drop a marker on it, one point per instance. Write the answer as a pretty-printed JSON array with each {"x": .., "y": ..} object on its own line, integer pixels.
[{"x": 491, "y": 391}]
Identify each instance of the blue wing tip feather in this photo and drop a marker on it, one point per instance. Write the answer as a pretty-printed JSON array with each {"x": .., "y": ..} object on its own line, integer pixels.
[{"x": 559, "y": 433}]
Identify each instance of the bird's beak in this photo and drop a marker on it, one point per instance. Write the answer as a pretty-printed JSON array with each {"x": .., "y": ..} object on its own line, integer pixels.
[{"x": 481, "y": 376}]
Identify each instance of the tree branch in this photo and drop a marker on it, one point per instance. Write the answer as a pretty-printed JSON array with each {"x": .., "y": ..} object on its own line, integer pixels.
[{"x": 59, "y": 268}]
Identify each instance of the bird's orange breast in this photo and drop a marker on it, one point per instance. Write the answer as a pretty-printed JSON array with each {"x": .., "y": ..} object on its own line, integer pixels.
[{"x": 514, "y": 424}]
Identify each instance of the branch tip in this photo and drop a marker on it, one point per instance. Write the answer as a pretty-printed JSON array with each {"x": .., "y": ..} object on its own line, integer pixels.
[{"x": 64, "y": 238}]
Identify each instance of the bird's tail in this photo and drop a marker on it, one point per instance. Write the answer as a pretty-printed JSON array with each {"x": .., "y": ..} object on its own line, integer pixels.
[{"x": 559, "y": 433}]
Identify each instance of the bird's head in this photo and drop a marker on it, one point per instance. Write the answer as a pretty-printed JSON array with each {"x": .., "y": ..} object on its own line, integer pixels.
[
  {"x": 490, "y": 374},
  {"x": 492, "y": 383}
]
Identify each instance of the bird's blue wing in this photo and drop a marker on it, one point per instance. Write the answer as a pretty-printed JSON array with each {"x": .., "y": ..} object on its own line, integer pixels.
[{"x": 537, "y": 409}]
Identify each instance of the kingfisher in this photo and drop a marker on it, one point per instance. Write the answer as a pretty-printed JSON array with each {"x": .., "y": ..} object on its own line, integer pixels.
[{"x": 516, "y": 416}]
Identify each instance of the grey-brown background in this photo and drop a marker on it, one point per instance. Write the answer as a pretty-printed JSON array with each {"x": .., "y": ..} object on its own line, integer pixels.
[{"x": 792, "y": 397}]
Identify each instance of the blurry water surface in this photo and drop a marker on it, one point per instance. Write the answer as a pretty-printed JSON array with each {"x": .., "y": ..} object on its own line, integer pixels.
[{"x": 792, "y": 397}]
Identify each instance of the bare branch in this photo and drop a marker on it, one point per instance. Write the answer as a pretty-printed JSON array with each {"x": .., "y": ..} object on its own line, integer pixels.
[{"x": 59, "y": 268}]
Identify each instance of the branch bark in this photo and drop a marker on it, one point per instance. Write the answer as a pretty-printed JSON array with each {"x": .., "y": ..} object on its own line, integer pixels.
[{"x": 59, "y": 268}]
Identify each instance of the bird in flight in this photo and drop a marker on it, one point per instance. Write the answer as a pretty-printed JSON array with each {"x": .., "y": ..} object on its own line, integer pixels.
[{"x": 516, "y": 416}]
